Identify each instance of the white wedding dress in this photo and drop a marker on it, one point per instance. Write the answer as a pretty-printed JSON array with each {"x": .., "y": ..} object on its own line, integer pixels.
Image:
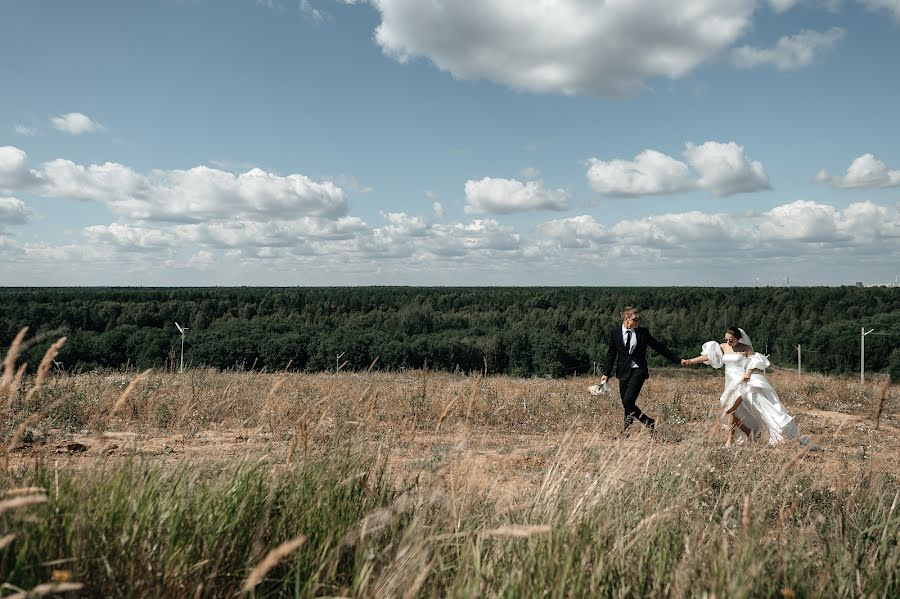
[{"x": 761, "y": 409}]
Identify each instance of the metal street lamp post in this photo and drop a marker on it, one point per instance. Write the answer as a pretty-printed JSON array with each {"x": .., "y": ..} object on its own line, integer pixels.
[
  {"x": 862, "y": 353},
  {"x": 181, "y": 330}
]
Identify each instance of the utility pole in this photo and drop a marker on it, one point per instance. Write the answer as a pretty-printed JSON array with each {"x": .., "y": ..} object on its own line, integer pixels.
[
  {"x": 799, "y": 371},
  {"x": 862, "y": 353},
  {"x": 181, "y": 330}
]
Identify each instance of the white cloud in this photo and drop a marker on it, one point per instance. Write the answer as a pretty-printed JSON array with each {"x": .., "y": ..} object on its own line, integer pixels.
[
  {"x": 864, "y": 220},
  {"x": 202, "y": 260},
  {"x": 789, "y": 230},
  {"x": 696, "y": 229},
  {"x": 197, "y": 194},
  {"x": 412, "y": 237},
  {"x": 75, "y": 123},
  {"x": 723, "y": 168},
  {"x": 790, "y": 52},
  {"x": 279, "y": 257},
  {"x": 781, "y": 6},
  {"x": 864, "y": 171},
  {"x": 462, "y": 238},
  {"x": 232, "y": 166},
  {"x": 239, "y": 234},
  {"x": 60, "y": 256},
  {"x": 346, "y": 242},
  {"x": 857, "y": 243},
  {"x": 812, "y": 222},
  {"x": 351, "y": 184},
  {"x": 786, "y": 230},
  {"x": 567, "y": 46},
  {"x": 650, "y": 173},
  {"x": 401, "y": 224},
  {"x": 13, "y": 211},
  {"x": 233, "y": 235},
  {"x": 131, "y": 238},
  {"x": 311, "y": 12},
  {"x": 577, "y": 231},
  {"x": 13, "y": 168},
  {"x": 529, "y": 172},
  {"x": 25, "y": 130},
  {"x": 109, "y": 183},
  {"x": 504, "y": 196},
  {"x": 675, "y": 248},
  {"x": 437, "y": 208},
  {"x": 802, "y": 221},
  {"x": 8, "y": 247},
  {"x": 892, "y": 6}
]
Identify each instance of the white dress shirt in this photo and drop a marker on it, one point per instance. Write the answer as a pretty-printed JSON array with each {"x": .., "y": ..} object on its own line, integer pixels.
[{"x": 633, "y": 341}]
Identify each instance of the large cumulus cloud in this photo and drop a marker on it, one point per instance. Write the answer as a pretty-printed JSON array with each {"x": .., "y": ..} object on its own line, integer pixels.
[
  {"x": 567, "y": 46},
  {"x": 503, "y": 196},
  {"x": 721, "y": 168},
  {"x": 197, "y": 194},
  {"x": 864, "y": 171}
]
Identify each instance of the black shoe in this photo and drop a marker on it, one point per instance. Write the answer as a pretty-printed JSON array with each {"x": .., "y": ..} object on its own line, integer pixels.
[{"x": 650, "y": 423}]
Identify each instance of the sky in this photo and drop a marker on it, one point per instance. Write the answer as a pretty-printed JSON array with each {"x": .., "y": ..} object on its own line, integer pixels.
[{"x": 725, "y": 143}]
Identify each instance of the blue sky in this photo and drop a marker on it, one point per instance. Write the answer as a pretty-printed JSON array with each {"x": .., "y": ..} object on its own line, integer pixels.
[{"x": 488, "y": 142}]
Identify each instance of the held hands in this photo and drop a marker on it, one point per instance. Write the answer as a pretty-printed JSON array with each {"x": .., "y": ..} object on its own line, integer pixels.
[
  {"x": 603, "y": 379},
  {"x": 747, "y": 374},
  {"x": 701, "y": 359}
]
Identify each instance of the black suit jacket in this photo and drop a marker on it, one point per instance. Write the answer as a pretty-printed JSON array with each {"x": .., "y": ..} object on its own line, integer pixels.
[{"x": 618, "y": 353}]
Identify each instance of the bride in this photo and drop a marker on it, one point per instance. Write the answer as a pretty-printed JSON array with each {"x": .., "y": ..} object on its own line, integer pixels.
[{"x": 749, "y": 403}]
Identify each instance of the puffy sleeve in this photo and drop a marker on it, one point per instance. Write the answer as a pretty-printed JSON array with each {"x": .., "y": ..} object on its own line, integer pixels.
[
  {"x": 713, "y": 351},
  {"x": 758, "y": 361}
]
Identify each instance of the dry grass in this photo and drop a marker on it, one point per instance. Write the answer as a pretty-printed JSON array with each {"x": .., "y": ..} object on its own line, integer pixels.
[
  {"x": 492, "y": 436},
  {"x": 884, "y": 393},
  {"x": 44, "y": 368},
  {"x": 126, "y": 393},
  {"x": 24, "y": 501},
  {"x": 270, "y": 561},
  {"x": 199, "y": 400},
  {"x": 10, "y": 375},
  {"x": 490, "y": 473},
  {"x": 506, "y": 423},
  {"x": 47, "y": 588}
]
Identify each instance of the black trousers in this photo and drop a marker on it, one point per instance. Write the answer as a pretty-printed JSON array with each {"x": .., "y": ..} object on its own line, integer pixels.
[{"x": 629, "y": 389}]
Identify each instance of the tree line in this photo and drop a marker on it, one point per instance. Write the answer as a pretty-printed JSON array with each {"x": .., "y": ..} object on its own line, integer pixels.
[{"x": 520, "y": 331}]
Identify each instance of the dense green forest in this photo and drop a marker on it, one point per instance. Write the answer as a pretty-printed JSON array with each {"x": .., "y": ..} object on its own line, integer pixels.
[{"x": 517, "y": 331}]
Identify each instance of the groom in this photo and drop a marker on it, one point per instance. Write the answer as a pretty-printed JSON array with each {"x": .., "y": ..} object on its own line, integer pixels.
[{"x": 628, "y": 347}]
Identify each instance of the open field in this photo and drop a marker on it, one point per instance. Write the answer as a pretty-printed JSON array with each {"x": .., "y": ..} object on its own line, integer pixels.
[{"x": 429, "y": 484}]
